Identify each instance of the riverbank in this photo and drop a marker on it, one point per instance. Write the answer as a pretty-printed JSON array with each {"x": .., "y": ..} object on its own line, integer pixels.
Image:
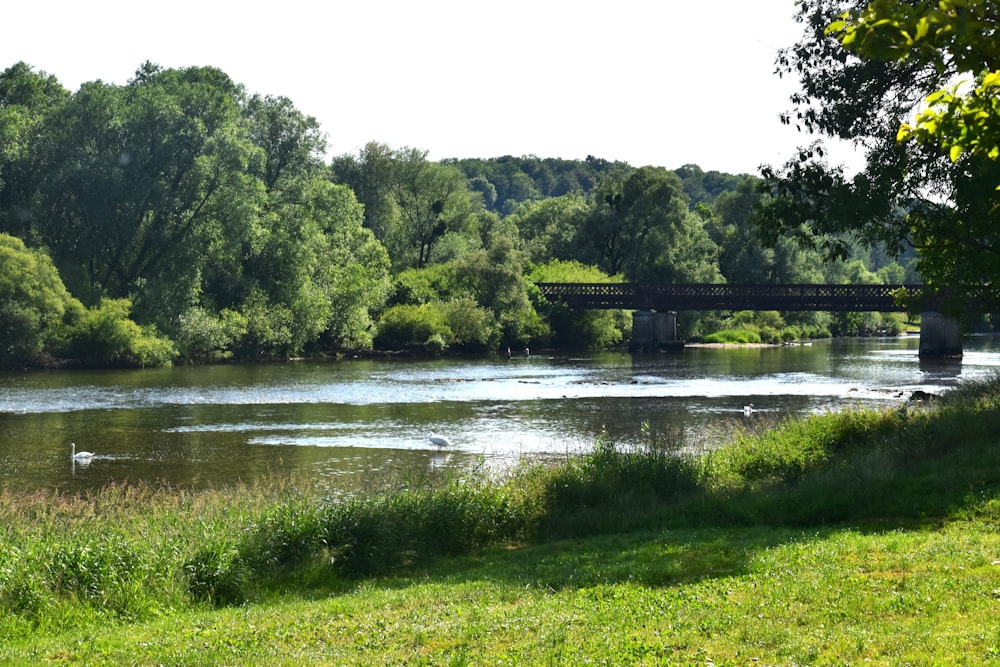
[{"x": 843, "y": 538}]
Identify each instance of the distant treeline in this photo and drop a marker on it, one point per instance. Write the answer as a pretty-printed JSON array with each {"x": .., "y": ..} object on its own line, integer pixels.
[{"x": 180, "y": 218}]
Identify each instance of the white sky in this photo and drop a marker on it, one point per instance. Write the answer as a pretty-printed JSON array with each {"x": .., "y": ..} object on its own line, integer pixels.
[{"x": 659, "y": 82}]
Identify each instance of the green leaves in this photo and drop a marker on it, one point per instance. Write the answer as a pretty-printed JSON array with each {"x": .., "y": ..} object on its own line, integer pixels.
[
  {"x": 955, "y": 34},
  {"x": 36, "y": 310}
]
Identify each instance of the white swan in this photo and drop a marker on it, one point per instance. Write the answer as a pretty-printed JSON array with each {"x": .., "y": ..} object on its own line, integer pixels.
[
  {"x": 439, "y": 440},
  {"x": 79, "y": 456}
]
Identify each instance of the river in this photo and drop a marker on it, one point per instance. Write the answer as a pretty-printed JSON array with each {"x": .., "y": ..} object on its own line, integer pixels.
[{"x": 357, "y": 422}]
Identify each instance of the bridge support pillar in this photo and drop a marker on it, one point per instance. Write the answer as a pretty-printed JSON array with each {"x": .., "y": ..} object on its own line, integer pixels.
[
  {"x": 654, "y": 331},
  {"x": 940, "y": 337}
]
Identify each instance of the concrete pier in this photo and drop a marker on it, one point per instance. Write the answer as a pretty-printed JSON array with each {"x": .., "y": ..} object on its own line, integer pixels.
[
  {"x": 653, "y": 331},
  {"x": 940, "y": 336}
]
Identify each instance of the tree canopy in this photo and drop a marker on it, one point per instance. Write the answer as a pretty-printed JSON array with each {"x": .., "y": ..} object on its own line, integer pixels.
[
  {"x": 950, "y": 35},
  {"x": 181, "y": 217},
  {"x": 884, "y": 85}
]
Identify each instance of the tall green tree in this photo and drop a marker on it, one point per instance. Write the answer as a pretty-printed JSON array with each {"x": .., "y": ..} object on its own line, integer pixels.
[
  {"x": 742, "y": 258},
  {"x": 372, "y": 176},
  {"x": 140, "y": 180},
  {"x": 642, "y": 228},
  {"x": 910, "y": 193},
  {"x": 549, "y": 227},
  {"x": 432, "y": 200},
  {"x": 291, "y": 142},
  {"x": 27, "y": 97}
]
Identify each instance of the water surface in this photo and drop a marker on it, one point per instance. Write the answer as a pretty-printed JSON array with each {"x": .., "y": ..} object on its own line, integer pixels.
[{"x": 354, "y": 421}]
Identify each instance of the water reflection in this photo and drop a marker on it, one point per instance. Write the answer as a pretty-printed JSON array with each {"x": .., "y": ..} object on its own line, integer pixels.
[{"x": 360, "y": 421}]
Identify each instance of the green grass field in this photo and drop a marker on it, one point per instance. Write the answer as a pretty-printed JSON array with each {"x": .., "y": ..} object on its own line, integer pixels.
[{"x": 866, "y": 537}]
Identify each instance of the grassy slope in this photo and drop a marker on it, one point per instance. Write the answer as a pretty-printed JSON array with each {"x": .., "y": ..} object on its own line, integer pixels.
[{"x": 868, "y": 538}]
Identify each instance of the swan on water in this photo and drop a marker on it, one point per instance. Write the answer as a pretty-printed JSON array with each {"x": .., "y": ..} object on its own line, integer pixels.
[{"x": 79, "y": 456}]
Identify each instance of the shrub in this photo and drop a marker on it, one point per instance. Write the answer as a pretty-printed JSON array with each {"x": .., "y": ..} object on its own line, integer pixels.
[
  {"x": 407, "y": 326},
  {"x": 473, "y": 328},
  {"x": 202, "y": 336},
  {"x": 741, "y": 336},
  {"x": 35, "y": 307},
  {"x": 217, "y": 575},
  {"x": 106, "y": 336}
]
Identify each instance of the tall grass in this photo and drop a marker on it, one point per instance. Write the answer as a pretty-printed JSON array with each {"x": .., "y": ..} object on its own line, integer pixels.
[{"x": 130, "y": 553}]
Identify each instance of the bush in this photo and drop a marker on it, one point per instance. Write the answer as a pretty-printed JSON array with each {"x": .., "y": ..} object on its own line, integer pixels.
[
  {"x": 408, "y": 326},
  {"x": 35, "y": 307},
  {"x": 611, "y": 488},
  {"x": 769, "y": 335},
  {"x": 204, "y": 337},
  {"x": 473, "y": 328},
  {"x": 107, "y": 337},
  {"x": 741, "y": 336},
  {"x": 217, "y": 575}
]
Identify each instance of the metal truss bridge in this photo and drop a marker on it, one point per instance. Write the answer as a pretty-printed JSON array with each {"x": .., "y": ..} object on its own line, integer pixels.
[{"x": 848, "y": 298}]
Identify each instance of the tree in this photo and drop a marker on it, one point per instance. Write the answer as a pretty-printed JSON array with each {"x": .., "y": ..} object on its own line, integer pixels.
[
  {"x": 141, "y": 179},
  {"x": 548, "y": 227},
  {"x": 494, "y": 275},
  {"x": 36, "y": 310},
  {"x": 951, "y": 35},
  {"x": 641, "y": 227},
  {"x": 26, "y": 99},
  {"x": 432, "y": 199},
  {"x": 910, "y": 194},
  {"x": 39, "y": 319},
  {"x": 579, "y": 329},
  {"x": 371, "y": 175},
  {"x": 212, "y": 212},
  {"x": 742, "y": 258},
  {"x": 292, "y": 142}
]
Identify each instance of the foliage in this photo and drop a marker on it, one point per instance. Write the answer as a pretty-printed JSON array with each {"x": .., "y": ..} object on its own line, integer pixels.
[
  {"x": 586, "y": 329},
  {"x": 735, "y": 336},
  {"x": 36, "y": 311},
  {"x": 955, "y": 35},
  {"x": 473, "y": 328},
  {"x": 703, "y": 187},
  {"x": 410, "y": 203},
  {"x": 768, "y": 326},
  {"x": 105, "y": 336},
  {"x": 407, "y": 326},
  {"x": 210, "y": 209},
  {"x": 548, "y": 227},
  {"x": 187, "y": 197},
  {"x": 435, "y": 282},
  {"x": 910, "y": 194},
  {"x": 507, "y": 183},
  {"x": 595, "y": 493},
  {"x": 457, "y": 323},
  {"x": 641, "y": 227},
  {"x": 139, "y": 179},
  {"x": 742, "y": 258},
  {"x": 205, "y": 337}
]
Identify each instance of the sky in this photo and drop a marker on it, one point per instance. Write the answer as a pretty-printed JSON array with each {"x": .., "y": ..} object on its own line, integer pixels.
[{"x": 648, "y": 82}]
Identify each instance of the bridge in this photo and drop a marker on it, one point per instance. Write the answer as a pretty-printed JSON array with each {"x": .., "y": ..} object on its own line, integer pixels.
[
  {"x": 939, "y": 334},
  {"x": 630, "y": 296}
]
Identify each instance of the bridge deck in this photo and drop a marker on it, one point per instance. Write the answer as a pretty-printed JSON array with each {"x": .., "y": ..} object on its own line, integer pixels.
[{"x": 629, "y": 296}]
